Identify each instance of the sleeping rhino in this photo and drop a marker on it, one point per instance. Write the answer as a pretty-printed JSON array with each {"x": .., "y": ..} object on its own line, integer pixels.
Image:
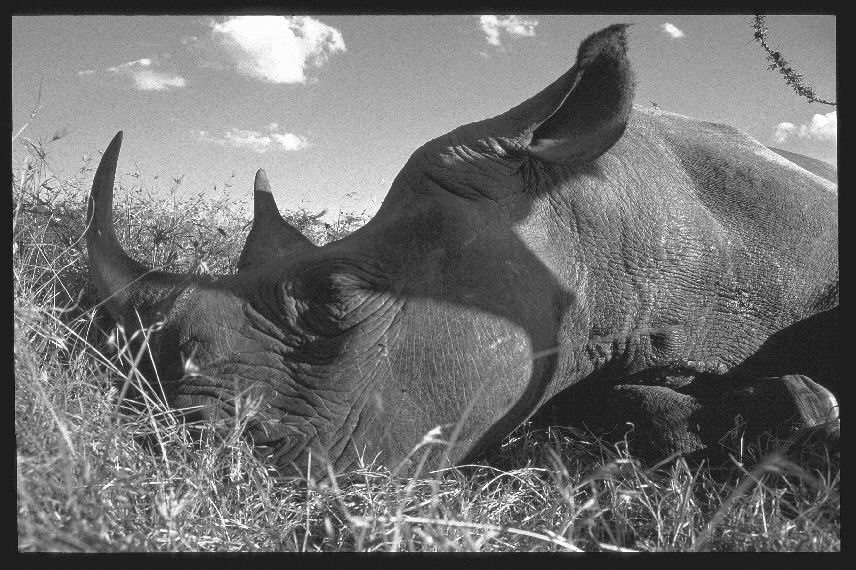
[{"x": 635, "y": 265}]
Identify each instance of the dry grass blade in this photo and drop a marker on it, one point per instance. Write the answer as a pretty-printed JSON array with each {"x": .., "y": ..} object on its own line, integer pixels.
[
  {"x": 547, "y": 536},
  {"x": 33, "y": 113}
]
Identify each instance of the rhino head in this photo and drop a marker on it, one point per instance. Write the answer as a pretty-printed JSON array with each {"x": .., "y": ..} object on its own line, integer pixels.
[{"x": 567, "y": 242}]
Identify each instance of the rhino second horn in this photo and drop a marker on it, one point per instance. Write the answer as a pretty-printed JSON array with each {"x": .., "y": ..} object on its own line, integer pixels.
[
  {"x": 271, "y": 235},
  {"x": 125, "y": 286}
]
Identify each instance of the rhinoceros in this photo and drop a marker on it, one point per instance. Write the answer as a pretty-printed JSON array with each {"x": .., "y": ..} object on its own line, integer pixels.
[{"x": 638, "y": 266}]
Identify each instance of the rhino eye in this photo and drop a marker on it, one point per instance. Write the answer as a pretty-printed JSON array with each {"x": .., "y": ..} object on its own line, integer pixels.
[
  {"x": 323, "y": 301},
  {"x": 189, "y": 360},
  {"x": 323, "y": 313}
]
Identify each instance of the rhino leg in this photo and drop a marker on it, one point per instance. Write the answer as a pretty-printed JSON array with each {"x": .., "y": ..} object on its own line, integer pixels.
[
  {"x": 809, "y": 347},
  {"x": 695, "y": 418}
]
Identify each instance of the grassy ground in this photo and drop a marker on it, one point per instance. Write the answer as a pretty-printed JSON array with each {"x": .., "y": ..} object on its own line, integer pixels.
[{"x": 93, "y": 477}]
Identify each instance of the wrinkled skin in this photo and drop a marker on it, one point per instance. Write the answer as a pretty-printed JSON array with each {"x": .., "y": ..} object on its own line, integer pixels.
[{"x": 633, "y": 261}]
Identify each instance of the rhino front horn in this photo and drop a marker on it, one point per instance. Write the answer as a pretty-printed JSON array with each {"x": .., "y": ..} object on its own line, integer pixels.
[
  {"x": 127, "y": 288},
  {"x": 271, "y": 236}
]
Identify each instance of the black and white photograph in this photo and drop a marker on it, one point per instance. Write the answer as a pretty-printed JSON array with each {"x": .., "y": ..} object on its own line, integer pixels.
[{"x": 421, "y": 283}]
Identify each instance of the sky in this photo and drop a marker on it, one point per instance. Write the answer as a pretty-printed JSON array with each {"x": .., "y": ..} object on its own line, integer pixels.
[{"x": 332, "y": 106}]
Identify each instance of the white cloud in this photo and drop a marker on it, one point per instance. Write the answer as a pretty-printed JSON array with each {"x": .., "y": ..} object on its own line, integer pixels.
[
  {"x": 290, "y": 141},
  {"x": 257, "y": 141},
  {"x": 142, "y": 62},
  {"x": 783, "y": 131},
  {"x": 493, "y": 26},
  {"x": 145, "y": 79},
  {"x": 277, "y": 48},
  {"x": 672, "y": 30},
  {"x": 821, "y": 127}
]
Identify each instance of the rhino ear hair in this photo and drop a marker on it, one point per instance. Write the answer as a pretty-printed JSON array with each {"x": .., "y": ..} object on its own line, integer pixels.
[
  {"x": 270, "y": 236},
  {"x": 584, "y": 112}
]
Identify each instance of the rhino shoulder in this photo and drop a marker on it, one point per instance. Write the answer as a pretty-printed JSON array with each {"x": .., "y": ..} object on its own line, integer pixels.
[{"x": 698, "y": 142}]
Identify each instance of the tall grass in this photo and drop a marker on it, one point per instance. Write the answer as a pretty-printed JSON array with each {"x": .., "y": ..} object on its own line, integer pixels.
[{"x": 94, "y": 475}]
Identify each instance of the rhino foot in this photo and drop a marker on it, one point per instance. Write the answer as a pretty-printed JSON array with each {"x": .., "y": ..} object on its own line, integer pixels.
[
  {"x": 816, "y": 444},
  {"x": 781, "y": 405},
  {"x": 660, "y": 420}
]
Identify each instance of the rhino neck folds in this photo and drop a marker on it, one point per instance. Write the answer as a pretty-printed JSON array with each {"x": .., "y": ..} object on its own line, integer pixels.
[{"x": 329, "y": 310}]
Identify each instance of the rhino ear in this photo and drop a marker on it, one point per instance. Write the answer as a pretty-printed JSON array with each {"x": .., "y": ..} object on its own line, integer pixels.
[
  {"x": 128, "y": 289},
  {"x": 271, "y": 235},
  {"x": 583, "y": 113}
]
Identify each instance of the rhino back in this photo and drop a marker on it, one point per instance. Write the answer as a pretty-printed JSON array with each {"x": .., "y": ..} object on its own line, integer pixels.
[{"x": 779, "y": 222}]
